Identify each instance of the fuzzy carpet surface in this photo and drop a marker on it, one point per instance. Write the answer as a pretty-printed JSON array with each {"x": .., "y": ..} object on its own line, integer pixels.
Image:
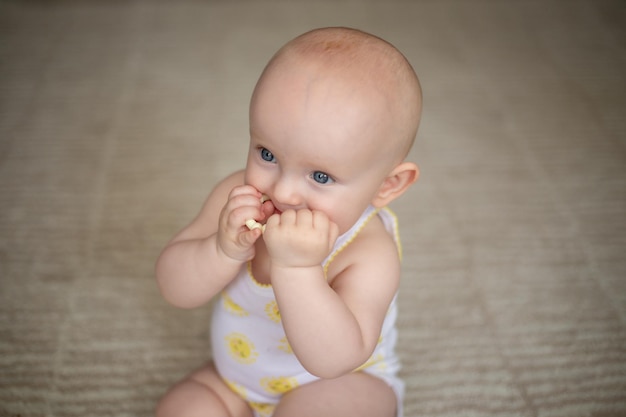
[{"x": 117, "y": 118}]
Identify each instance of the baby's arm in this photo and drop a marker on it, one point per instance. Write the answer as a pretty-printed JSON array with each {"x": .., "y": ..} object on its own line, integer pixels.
[
  {"x": 205, "y": 256},
  {"x": 333, "y": 328}
]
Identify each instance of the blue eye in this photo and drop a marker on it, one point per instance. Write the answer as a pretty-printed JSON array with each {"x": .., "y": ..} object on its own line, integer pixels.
[
  {"x": 267, "y": 155},
  {"x": 321, "y": 177}
]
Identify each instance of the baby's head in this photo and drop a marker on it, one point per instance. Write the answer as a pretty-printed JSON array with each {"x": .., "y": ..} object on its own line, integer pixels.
[{"x": 335, "y": 108}]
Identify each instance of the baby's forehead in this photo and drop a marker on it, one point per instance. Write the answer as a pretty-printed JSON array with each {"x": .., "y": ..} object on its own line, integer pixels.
[
  {"x": 355, "y": 62},
  {"x": 348, "y": 68}
]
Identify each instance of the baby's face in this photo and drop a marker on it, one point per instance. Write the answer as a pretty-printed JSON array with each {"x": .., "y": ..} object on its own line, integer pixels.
[{"x": 317, "y": 143}]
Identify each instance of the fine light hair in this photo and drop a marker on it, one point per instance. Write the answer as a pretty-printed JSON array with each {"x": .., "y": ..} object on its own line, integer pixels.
[{"x": 361, "y": 57}]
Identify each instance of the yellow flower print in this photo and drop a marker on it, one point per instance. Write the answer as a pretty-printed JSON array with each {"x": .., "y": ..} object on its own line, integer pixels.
[
  {"x": 239, "y": 389},
  {"x": 263, "y": 409},
  {"x": 378, "y": 358},
  {"x": 271, "y": 309},
  {"x": 279, "y": 384},
  {"x": 232, "y": 307},
  {"x": 285, "y": 346},
  {"x": 241, "y": 348}
]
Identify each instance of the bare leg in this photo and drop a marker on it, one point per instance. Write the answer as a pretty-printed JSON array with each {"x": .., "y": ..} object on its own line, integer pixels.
[
  {"x": 203, "y": 393},
  {"x": 356, "y": 394}
]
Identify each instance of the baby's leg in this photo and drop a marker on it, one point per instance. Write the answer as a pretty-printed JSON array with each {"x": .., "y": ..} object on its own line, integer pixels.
[
  {"x": 356, "y": 394},
  {"x": 203, "y": 393}
]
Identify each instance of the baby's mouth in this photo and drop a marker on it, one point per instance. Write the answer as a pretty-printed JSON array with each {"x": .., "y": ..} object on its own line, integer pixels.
[
  {"x": 265, "y": 198},
  {"x": 253, "y": 224}
]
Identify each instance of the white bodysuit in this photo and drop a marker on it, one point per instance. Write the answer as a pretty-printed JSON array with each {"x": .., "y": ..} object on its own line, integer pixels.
[{"x": 251, "y": 351}]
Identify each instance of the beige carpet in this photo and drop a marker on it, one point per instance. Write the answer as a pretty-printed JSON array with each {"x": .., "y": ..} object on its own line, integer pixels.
[{"x": 117, "y": 118}]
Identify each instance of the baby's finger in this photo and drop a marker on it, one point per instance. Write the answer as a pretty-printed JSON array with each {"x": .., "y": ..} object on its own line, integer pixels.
[
  {"x": 240, "y": 215},
  {"x": 322, "y": 222},
  {"x": 304, "y": 218},
  {"x": 320, "y": 219},
  {"x": 333, "y": 234},
  {"x": 287, "y": 217},
  {"x": 248, "y": 238},
  {"x": 245, "y": 189},
  {"x": 273, "y": 221}
]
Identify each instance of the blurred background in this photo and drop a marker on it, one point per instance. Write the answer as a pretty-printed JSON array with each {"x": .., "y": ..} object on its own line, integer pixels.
[{"x": 118, "y": 117}]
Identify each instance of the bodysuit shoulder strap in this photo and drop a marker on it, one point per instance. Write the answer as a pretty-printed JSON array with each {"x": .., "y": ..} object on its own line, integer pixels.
[{"x": 388, "y": 218}]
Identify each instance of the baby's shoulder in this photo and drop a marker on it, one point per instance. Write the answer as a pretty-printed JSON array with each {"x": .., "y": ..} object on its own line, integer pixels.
[
  {"x": 224, "y": 187},
  {"x": 373, "y": 248}
]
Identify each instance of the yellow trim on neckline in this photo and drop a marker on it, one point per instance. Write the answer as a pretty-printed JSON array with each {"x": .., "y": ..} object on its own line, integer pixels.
[{"x": 347, "y": 242}]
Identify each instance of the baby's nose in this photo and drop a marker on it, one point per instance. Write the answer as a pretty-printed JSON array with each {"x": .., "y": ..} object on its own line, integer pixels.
[{"x": 286, "y": 194}]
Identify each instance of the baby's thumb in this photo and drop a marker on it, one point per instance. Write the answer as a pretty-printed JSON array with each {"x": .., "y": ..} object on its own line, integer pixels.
[{"x": 248, "y": 238}]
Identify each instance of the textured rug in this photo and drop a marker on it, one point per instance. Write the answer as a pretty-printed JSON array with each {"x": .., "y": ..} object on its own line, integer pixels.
[{"x": 117, "y": 118}]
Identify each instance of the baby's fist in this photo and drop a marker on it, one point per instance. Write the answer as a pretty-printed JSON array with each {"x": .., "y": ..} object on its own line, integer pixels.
[{"x": 300, "y": 238}]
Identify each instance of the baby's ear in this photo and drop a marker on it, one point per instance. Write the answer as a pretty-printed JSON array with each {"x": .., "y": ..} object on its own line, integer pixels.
[{"x": 396, "y": 183}]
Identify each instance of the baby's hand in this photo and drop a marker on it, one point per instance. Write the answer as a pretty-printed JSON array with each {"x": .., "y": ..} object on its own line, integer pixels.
[
  {"x": 300, "y": 238},
  {"x": 253, "y": 224},
  {"x": 233, "y": 237}
]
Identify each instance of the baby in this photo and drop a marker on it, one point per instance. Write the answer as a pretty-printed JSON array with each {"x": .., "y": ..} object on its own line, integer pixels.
[{"x": 304, "y": 320}]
